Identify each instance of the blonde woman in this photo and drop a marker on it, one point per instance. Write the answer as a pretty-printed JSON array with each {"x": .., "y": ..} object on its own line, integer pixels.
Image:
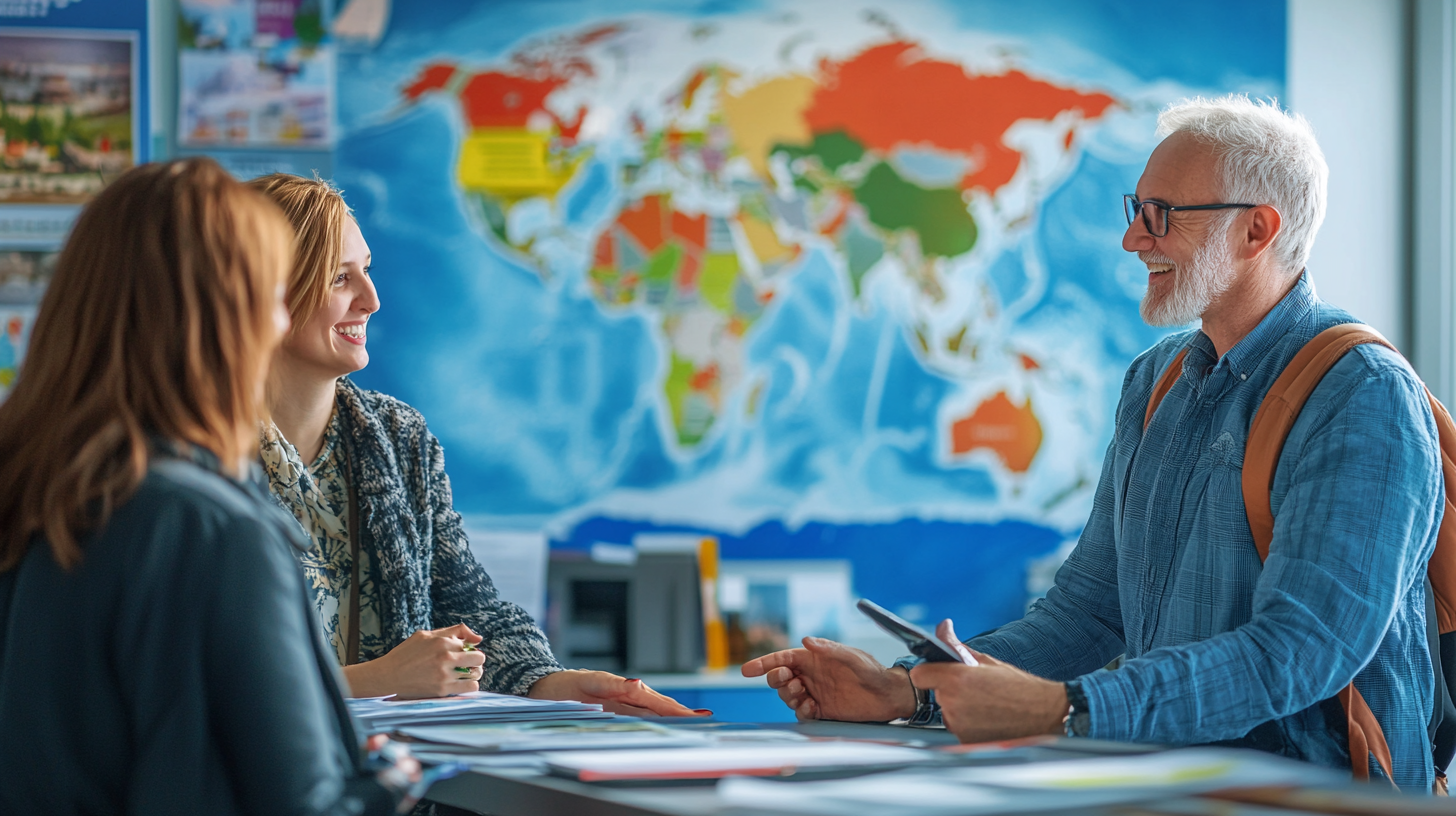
[
  {"x": 406, "y": 606},
  {"x": 157, "y": 651}
]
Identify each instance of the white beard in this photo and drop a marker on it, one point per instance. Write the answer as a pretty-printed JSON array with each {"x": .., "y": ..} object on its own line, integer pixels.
[{"x": 1195, "y": 286}]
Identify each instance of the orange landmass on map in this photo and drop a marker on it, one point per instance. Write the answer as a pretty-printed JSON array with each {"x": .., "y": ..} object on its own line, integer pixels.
[
  {"x": 643, "y": 221},
  {"x": 894, "y": 94},
  {"x": 433, "y": 78},
  {"x": 496, "y": 99},
  {"x": 652, "y": 221},
  {"x": 691, "y": 229},
  {"x": 1010, "y": 431}
]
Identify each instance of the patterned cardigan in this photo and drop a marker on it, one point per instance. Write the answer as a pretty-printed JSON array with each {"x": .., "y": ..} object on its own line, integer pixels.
[{"x": 425, "y": 572}]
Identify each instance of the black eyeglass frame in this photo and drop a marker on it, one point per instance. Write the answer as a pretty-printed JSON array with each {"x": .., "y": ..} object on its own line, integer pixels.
[{"x": 1132, "y": 206}]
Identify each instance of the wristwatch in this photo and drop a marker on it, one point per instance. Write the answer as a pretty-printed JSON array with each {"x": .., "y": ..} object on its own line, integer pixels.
[
  {"x": 1078, "y": 722},
  {"x": 927, "y": 712}
]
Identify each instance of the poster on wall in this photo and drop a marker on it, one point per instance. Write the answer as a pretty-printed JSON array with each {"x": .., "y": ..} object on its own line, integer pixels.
[
  {"x": 74, "y": 115},
  {"x": 68, "y": 113},
  {"x": 254, "y": 73},
  {"x": 821, "y": 280},
  {"x": 24, "y": 276}
]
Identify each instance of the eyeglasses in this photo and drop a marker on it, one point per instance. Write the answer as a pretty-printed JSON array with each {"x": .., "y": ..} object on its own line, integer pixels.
[{"x": 1155, "y": 213}]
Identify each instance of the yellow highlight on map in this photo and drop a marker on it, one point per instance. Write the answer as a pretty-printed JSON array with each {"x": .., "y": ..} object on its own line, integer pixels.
[{"x": 512, "y": 162}]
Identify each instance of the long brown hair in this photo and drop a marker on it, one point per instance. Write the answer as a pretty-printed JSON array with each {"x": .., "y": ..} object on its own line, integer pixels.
[
  {"x": 317, "y": 212},
  {"x": 160, "y": 320}
]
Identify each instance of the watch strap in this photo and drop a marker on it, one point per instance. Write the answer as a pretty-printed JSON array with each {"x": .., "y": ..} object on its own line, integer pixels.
[
  {"x": 927, "y": 711},
  {"x": 1078, "y": 722}
]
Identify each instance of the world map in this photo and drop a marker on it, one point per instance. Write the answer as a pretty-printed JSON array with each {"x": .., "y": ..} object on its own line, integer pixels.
[
  {"x": 702, "y": 242},
  {"x": 821, "y": 281}
]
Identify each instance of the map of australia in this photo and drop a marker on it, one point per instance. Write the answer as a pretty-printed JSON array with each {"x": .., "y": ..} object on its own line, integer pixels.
[{"x": 879, "y": 156}]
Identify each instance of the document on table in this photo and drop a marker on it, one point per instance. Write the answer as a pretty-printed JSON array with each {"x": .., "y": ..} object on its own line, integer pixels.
[
  {"x": 550, "y": 735},
  {"x": 711, "y": 762},
  {"x": 1070, "y": 784},
  {"x": 474, "y": 707},
  {"x": 1185, "y": 769}
]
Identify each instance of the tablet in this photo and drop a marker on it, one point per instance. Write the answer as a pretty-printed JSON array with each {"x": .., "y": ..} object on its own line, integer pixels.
[{"x": 921, "y": 643}]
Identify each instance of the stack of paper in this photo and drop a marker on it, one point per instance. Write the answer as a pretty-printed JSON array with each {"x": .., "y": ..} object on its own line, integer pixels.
[
  {"x": 549, "y": 735},
  {"x": 387, "y": 714},
  {"x": 716, "y": 761},
  {"x": 1065, "y": 786},
  {"x": 513, "y": 745}
]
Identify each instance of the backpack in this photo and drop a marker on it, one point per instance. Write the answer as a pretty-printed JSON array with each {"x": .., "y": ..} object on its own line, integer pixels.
[{"x": 1272, "y": 422}]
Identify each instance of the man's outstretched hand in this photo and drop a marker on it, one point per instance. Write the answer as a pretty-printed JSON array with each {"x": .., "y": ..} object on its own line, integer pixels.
[{"x": 826, "y": 680}]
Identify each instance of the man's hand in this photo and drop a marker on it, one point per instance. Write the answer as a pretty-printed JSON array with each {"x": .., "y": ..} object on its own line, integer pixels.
[
  {"x": 429, "y": 663},
  {"x": 616, "y": 694},
  {"x": 993, "y": 700},
  {"x": 830, "y": 681}
]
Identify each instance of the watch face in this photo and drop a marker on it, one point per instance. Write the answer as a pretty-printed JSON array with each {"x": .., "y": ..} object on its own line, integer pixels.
[{"x": 1079, "y": 724}]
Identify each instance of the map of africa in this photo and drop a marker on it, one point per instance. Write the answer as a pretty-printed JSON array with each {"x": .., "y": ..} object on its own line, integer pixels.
[{"x": 821, "y": 281}]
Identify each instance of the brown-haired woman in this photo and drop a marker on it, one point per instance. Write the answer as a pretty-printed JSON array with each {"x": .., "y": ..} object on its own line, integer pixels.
[
  {"x": 157, "y": 651},
  {"x": 406, "y": 606}
]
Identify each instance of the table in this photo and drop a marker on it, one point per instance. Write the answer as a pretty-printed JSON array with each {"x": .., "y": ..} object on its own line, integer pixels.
[
  {"x": 509, "y": 792},
  {"x": 520, "y": 792}
]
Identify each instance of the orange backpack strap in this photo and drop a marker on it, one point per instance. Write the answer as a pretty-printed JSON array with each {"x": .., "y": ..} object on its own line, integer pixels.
[
  {"x": 1165, "y": 384},
  {"x": 1442, "y": 568},
  {"x": 1271, "y": 426},
  {"x": 1276, "y": 415},
  {"x": 1366, "y": 736}
]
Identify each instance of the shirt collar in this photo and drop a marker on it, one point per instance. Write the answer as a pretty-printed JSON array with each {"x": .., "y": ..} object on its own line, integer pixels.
[
  {"x": 252, "y": 479},
  {"x": 1286, "y": 314}
]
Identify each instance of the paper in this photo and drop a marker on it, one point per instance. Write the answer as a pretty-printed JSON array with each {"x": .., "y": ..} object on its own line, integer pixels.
[
  {"x": 15, "y": 325},
  {"x": 1186, "y": 770},
  {"x": 888, "y": 794},
  {"x": 479, "y": 706},
  {"x": 1044, "y": 786},
  {"x": 254, "y": 74},
  {"x": 68, "y": 113},
  {"x": 550, "y": 735},
  {"x": 744, "y": 760}
]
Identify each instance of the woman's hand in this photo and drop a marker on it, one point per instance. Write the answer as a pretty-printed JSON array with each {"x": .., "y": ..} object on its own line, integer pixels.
[
  {"x": 616, "y": 694},
  {"x": 429, "y": 663}
]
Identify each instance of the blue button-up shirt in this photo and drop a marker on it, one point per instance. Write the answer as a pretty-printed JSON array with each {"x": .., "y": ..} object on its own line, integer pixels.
[{"x": 1218, "y": 646}]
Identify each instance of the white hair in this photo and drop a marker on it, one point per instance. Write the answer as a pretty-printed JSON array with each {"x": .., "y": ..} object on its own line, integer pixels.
[{"x": 1265, "y": 155}]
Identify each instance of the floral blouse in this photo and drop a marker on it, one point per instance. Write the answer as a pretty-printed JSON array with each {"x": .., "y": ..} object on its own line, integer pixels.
[{"x": 319, "y": 498}]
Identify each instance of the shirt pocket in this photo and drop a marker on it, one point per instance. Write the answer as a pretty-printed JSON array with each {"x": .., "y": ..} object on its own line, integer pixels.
[
  {"x": 1220, "y": 538},
  {"x": 1226, "y": 452}
]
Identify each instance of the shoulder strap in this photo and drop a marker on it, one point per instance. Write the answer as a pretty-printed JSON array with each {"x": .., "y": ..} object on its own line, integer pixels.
[
  {"x": 1271, "y": 427},
  {"x": 1442, "y": 568},
  {"x": 1272, "y": 422},
  {"x": 1276, "y": 415},
  {"x": 1165, "y": 384}
]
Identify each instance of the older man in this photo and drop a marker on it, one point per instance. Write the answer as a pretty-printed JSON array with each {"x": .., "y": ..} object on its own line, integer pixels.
[{"x": 1218, "y": 647}]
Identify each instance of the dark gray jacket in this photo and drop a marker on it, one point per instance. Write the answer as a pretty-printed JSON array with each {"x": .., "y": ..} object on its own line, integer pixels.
[
  {"x": 426, "y": 574},
  {"x": 178, "y": 669}
]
